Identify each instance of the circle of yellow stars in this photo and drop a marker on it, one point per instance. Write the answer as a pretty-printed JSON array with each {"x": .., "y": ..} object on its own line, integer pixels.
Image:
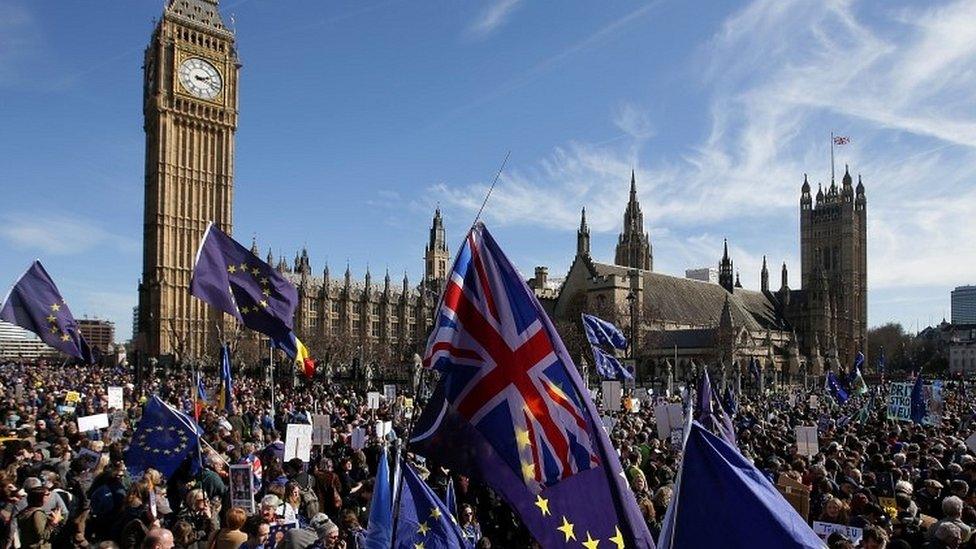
[
  {"x": 264, "y": 282},
  {"x": 143, "y": 440},
  {"x": 55, "y": 326}
]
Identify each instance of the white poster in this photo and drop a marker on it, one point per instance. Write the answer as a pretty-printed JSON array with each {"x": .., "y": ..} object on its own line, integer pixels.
[
  {"x": 242, "y": 487},
  {"x": 806, "y": 441},
  {"x": 824, "y": 529},
  {"x": 612, "y": 391},
  {"x": 668, "y": 417},
  {"x": 92, "y": 423},
  {"x": 372, "y": 400},
  {"x": 389, "y": 392},
  {"x": 358, "y": 438},
  {"x": 115, "y": 400},
  {"x": 383, "y": 428},
  {"x": 298, "y": 442},
  {"x": 321, "y": 429},
  {"x": 814, "y": 402}
]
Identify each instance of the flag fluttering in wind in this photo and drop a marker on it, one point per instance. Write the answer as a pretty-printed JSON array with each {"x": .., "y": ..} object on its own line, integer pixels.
[
  {"x": 227, "y": 276},
  {"x": 919, "y": 407},
  {"x": 721, "y": 500},
  {"x": 858, "y": 384},
  {"x": 35, "y": 304},
  {"x": 709, "y": 411},
  {"x": 225, "y": 398},
  {"x": 380, "y": 533},
  {"x": 200, "y": 399},
  {"x": 423, "y": 520},
  {"x": 450, "y": 498},
  {"x": 605, "y": 338},
  {"x": 162, "y": 439},
  {"x": 841, "y": 140},
  {"x": 730, "y": 402},
  {"x": 511, "y": 409},
  {"x": 834, "y": 388}
]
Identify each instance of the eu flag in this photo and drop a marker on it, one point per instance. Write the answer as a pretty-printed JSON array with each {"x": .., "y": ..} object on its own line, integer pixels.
[
  {"x": 227, "y": 276},
  {"x": 919, "y": 408},
  {"x": 423, "y": 519},
  {"x": 835, "y": 389},
  {"x": 604, "y": 338},
  {"x": 162, "y": 439},
  {"x": 35, "y": 304},
  {"x": 510, "y": 408},
  {"x": 709, "y": 411},
  {"x": 380, "y": 532}
]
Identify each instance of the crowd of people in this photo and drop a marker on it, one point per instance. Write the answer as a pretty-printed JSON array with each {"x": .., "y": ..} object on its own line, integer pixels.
[{"x": 895, "y": 484}]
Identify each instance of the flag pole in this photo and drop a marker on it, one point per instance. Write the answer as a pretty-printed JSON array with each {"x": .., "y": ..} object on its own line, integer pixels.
[
  {"x": 492, "y": 188},
  {"x": 196, "y": 395},
  {"x": 831, "y": 157},
  {"x": 271, "y": 374}
]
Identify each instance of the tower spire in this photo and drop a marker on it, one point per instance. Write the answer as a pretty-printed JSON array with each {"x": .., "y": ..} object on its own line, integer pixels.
[
  {"x": 583, "y": 237},
  {"x": 725, "y": 278},
  {"x": 764, "y": 277},
  {"x": 634, "y": 245}
]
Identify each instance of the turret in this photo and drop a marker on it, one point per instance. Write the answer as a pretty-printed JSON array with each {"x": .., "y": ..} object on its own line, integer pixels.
[
  {"x": 738, "y": 283},
  {"x": 348, "y": 277},
  {"x": 270, "y": 259},
  {"x": 764, "y": 277},
  {"x": 254, "y": 247},
  {"x": 805, "y": 200},
  {"x": 860, "y": 200},
  {"x": 820, "y": 194},
  {"x": 847, "y": 188},
  {"x": 583, "y": 237},
  {"x": 406, "y": 285},
  {"x": 368, "y": 286},
  {"x": 386, "y": 282},
  {"x": 725, "y": 279}
]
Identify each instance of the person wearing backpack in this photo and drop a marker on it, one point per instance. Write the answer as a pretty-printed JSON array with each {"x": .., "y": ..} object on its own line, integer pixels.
[
  {"x": 36, "y": 526},
  {"x": 309, "y": 505}
]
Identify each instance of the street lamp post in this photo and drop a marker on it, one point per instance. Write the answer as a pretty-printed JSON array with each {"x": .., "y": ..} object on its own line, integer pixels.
[{"x": 632, "y": 301}]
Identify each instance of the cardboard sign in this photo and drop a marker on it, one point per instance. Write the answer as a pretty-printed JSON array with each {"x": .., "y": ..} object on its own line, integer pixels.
[
  {"x": 383, "y": 428},
  {"x": 298, "y": 442},
  {"x": 242, "y": 487},
  {"x": 796, "y": 493},
  {"x": 358, "y": 438},
  {"x": 824, "y": 529},
  {"x": 900, "y": 401},
  {"x": 321, "y": 429},
  {"x": 389, "y": 392},
  {"x": 373, "y": 400},
  {"x": 612, "y": 392},
  {"x": 92, "y": 423},
  {"x": 806, "y": 441},
  {"x": 72, "y": 397},
  {"x": 115, "y": 399},
  {"x": 668, "y": 417}
]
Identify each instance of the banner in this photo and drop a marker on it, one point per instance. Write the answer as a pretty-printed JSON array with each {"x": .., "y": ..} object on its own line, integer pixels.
[
  {"x": 298, "y": 442},
  {"x": 900, "y": 402}
]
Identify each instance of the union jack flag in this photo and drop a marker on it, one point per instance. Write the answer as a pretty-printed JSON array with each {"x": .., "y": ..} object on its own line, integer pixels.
[
  {"x": 841, "y": 140},
  {"x": 506, "y": 369}
]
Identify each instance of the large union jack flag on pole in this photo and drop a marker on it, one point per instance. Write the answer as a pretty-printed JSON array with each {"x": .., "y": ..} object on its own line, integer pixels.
[{"x": 511, "y": 406}]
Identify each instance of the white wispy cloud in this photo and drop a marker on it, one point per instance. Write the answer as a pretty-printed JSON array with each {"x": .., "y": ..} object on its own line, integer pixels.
[
  {"x": 492, "y": 17},
  {"x": 780, "y": 76},
  {"x": 60, "y": 235}
]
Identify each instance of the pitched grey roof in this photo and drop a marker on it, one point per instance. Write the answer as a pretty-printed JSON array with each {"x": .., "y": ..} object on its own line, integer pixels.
[
  {"x": 689, "y": 302},
  {"x": 203, "y": 13}
]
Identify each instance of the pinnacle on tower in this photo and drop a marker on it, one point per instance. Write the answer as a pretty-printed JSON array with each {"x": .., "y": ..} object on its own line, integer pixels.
[
  {"x": 583, "y": 237},
  {"x": 764, "y": 277},
  {"x": 725, "y": 278},
  {"x": 634, "y": 245}
]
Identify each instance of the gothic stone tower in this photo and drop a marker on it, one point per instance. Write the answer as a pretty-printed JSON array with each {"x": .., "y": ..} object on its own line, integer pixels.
[
  {"x": 190, "y": 111},
  {"x": 833, "y": 257},
  {"x": 634, "y": 245},
  {"x": 436, "y": 256}
]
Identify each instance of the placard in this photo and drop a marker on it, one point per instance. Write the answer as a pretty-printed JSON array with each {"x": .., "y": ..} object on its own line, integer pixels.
[
  {"x": 383, "y": 428},
  {"x": 806, "y": 441},
  {"x": 373, "y": 400},
  {"x": 298, "y": 442},
  {"x": 357, "y": 439},
  {"x": 814, "y": 402},
  {"x": 900, "y": 401},
  {"x": 92, "y": 423},
  {"x": 115, "y": 399},
  {"x": 668, "y": 416},
  {"x": 612, "y": 391},
  {"x": 677, "y": 436},
  {"x": 389, "y": 392},
  {"x": 72, "y": 397},
  {"x": 321, "y": 429},
  {"x": 242, "y": 487},
  {"x": 824, "y": 529},
  {"x": 116, "y": 428}
]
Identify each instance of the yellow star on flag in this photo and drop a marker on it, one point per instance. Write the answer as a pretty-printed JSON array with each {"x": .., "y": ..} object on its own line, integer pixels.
[
  {"x": 567, "y": 530},
  {"x": 255, "y": 271},
  {"x": 244, "y": 267},
  {"x": 435, "y": 513},
  {"x": 263, "y": 303},
  {"x": 52, "y": 319},
  {"x": 528, "y": 471},
  {"x": 422, "y": 528},
  {"x": 590, "y": 543},
  {"x": 542, "y": 504},
  {"x": 55, "y": 307},
  {"x": 618, "y": 539},
  {"x": 266, "y": 292},
  {"x": 65, "y": 337},
  {"x": 522, "y": 437},
  {"x": 54, "y": 329},
  {"x": 418, "y": 545},
  {"x": 232, "y": 268},
  {"x": 264, "y": 281}
]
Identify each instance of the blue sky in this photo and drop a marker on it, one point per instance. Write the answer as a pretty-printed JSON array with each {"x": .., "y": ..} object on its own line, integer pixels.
[{"x": 357, "y": 118}]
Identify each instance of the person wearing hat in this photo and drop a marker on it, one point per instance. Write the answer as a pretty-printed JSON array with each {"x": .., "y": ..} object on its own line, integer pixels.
[
  {"x": 36, "y": 526},
  {"x": 952, "y": 509}
]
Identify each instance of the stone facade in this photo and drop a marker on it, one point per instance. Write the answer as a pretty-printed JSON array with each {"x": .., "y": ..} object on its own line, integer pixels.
[
  {"x": 681, "y": 322},
  {"x": 190, "y": 117}
]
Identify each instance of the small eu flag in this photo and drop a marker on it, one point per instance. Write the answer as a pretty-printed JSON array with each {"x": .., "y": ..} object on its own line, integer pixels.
[
  {"x": 423, "y": 520},
  {"x": 228, "y": 277},
  {"x": 604, "y": 339},
  {"x": 162, "y": 439},
  {"x": 35, "y": 304}
]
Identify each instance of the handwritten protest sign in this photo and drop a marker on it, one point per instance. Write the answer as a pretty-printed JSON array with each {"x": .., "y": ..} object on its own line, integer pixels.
[
  {"x": 115, "y": 399},
  {"x": 92, "y": 423},
  {"x": 824, "y": 529},
  {"x": 372, "y": 400},
  {"x": 900, "y": 401}
]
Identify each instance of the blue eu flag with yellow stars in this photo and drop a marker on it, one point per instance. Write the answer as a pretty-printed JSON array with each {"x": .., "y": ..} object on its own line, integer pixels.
[
  {"x": 163, "y": 439},
  {"x": 35, "y": 304},
  {"x": 423, "y": 521},
  {"x": 230, "y": 278}
]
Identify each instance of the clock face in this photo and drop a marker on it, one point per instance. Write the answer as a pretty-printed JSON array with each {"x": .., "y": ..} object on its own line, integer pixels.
[{"x": 200, "y": 78}]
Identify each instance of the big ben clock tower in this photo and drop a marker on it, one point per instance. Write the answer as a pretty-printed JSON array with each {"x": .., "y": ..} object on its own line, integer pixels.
[{"x": 190, "y": 110}]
